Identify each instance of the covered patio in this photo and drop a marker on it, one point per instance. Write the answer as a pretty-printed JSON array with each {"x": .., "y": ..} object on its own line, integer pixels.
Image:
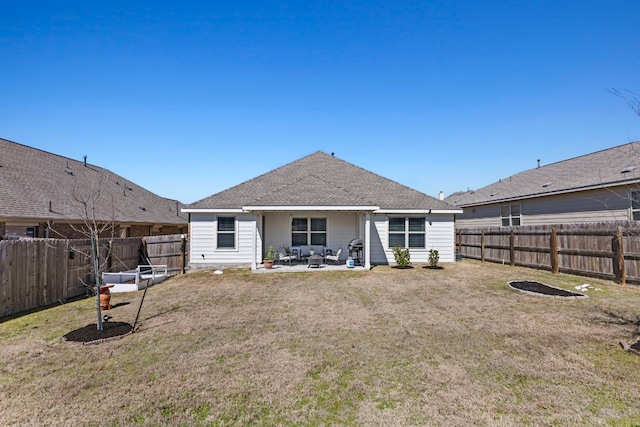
[{"x": 304, "y": 268}]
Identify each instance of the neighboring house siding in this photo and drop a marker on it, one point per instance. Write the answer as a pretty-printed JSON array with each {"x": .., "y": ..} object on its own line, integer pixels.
[
  {"x": 581, "y": 207},
  {"x": 587, "y": 206},
  {"x": 203, "y": 240},
  {"x": 479, "y": 216}
]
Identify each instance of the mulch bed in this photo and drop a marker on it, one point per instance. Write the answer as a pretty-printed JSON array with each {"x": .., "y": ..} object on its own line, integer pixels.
[
  {"x": 633, "y": 348},
  {"x": 91, "y": 335},
  {"x": 541, "y": 288}
]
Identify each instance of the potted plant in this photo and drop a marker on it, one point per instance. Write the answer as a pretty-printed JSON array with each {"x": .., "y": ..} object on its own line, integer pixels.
[{"x": 269, "y": 257}]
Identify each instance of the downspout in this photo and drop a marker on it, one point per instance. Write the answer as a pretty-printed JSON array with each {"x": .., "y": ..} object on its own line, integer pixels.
[{"x": 367, "y": 239}]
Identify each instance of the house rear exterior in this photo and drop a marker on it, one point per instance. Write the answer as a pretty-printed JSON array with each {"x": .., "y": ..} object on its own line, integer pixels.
[
  {"x": 319, "y": 201},
  {"x": 597, "y": 187}
]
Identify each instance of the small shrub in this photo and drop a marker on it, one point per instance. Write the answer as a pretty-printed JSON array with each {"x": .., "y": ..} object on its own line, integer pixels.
[
  {"x": 402, "y": 256},
  {"x": 434, "y": 257}
]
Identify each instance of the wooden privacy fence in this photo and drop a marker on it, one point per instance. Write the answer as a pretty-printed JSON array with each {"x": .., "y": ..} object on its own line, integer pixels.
[
  {"x": 39, "y": 272},
  {"x": 604, "y": 250}
]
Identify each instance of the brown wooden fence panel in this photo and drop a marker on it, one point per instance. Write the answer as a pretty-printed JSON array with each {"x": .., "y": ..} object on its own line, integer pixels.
[
  {"x": 584, "y": 249},
  {"x": 80, "y": 268},
  {"x": 496, "y": 244},
  {"x": 167, "y": 250},
  {"x": 631, "y": 248},
  {"x": 39, "y": 272},
  {"x": 125, "y": 254}
]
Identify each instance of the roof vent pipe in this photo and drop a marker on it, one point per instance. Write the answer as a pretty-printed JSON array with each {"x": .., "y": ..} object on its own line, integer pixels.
[
  {"x": 538, "y": 163},
  {"x": 85, "y": 159}
]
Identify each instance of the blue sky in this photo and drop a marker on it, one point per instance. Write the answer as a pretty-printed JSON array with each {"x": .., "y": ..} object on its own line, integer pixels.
[{"x": 188, "y": 98}]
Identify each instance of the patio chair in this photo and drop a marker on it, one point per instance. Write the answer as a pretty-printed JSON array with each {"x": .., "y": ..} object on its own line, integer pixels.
[
  {"x": 284, "y": 257},
  {"x": 335, "y": 258}
]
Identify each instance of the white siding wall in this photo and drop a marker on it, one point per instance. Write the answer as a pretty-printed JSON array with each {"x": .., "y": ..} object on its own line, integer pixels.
[
  {"x": 341, "y": 228},
  {"x": 203, "y": 241},
  {"x": 586, "y": 206},
  {"x": 440, "y": 236}
]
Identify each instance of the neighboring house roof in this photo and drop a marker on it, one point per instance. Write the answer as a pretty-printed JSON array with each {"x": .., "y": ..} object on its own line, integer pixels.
[
  {"x": 320, "y": 180},
  {"x": 607, "y": 168},
  {"x": 40, "y": 185}
]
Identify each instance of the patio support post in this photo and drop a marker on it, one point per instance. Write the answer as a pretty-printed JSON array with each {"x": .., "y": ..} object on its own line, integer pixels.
[
  {"x": 367, "y": 239},
  {"x": 254, "y": 266}
]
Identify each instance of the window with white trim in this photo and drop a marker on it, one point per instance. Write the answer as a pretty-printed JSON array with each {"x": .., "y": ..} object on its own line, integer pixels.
[
  {"x": 226, "y": 232},
  {"x": 407, "y": 232},
  {"x": 510, "y": 215},
  {"x": 309, "y": 231}
]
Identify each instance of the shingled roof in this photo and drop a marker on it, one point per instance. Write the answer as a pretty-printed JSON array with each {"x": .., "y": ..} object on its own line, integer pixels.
[
  {"x": 320, "y": 179},
  {"x": 607, "y": 168},
  {"x": 39, "y": 185}
]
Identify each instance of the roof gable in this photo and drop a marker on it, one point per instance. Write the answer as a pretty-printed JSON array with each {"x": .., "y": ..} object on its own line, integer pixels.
[
  {"x": 607, "y": 168},
  {"x": 320, "y": 179}
]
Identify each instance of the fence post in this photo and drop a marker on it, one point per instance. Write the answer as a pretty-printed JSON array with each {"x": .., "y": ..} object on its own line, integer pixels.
[
  {"x": 482, "y": 246},
  {"x": 618, "y": 251},
  {"x": 110, "y": 255},
  {"x": 183, "y": 250},
  {"x": 555, "y": 267},
  {"x": 512, "y": 248}
]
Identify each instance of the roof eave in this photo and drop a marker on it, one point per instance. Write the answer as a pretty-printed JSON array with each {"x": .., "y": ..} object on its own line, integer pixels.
[
  {"x": 419, "y": 211},
  {"x": 211, "y": 210},
  {"x": 350, "y": 208},
  {"x": 552, "y": 193}
]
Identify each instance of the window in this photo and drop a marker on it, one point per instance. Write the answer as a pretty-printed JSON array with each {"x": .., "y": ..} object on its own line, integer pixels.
[
  {"x": 309, "y": 231},
  {"x": 226, "y": 232},
  {"x": 407, "y": 230},
  {"x": 510, "y": 215},
  {"x": 32, "y": 232},
  {"x": 635, "y": 205}
]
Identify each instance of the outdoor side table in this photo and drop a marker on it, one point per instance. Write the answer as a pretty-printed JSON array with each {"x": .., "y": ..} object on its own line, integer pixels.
[{"x": 314, "y": 260}]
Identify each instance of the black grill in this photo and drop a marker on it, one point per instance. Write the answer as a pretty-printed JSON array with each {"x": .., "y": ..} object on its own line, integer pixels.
[{"x": 355, "y": 250}]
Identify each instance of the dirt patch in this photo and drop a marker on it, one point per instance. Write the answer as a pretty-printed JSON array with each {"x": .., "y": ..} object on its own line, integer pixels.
[
  {"x": 91, "y": 334},
  {"x": 542, "y": 289}
]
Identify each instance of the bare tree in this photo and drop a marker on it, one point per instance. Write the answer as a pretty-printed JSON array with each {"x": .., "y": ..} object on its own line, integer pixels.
[
  {"x": 96, "y": 212},
  {"x": 630, "y": 97}
]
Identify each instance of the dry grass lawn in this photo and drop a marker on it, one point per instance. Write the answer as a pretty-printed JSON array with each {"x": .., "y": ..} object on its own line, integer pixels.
[{"x": 384, "y": 347}]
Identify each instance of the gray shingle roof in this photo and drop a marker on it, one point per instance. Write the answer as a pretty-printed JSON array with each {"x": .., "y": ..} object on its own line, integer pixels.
[
  {"x": 32, "y": 180},
  {"x": 320, "y": 180},
  {"x": 600, "y": 169}
]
